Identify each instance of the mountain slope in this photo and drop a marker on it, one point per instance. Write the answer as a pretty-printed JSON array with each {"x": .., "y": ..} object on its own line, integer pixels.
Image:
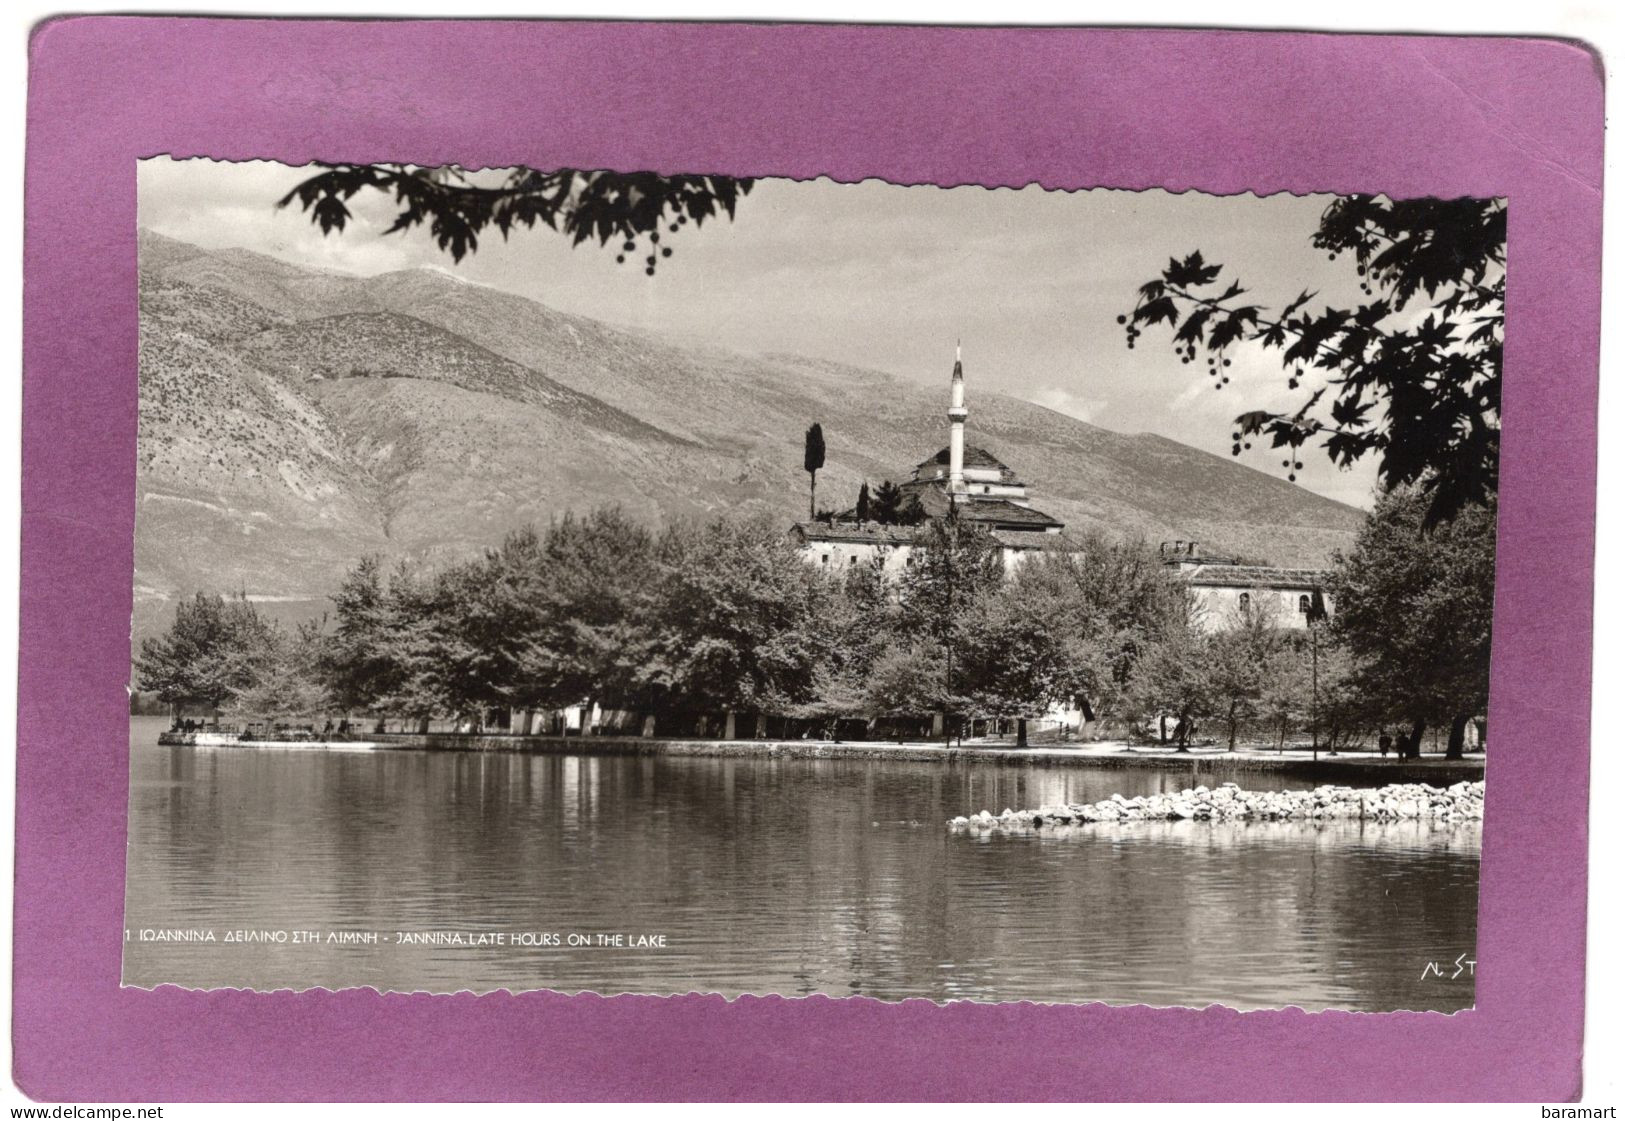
[{"x": 293, "y": 419}]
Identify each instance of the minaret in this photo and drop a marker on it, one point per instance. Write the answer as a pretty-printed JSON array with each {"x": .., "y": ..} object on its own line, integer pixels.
[{"x": 956, "y": 428}]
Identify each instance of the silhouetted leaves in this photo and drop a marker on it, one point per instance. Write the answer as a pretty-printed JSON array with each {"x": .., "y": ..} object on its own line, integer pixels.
[
  {"x": 1414, "y": 374},
  {"x": 601, "y": 206},
  {"x": 1192, "y": 272},
  {"x": 1156, "y": 311}
]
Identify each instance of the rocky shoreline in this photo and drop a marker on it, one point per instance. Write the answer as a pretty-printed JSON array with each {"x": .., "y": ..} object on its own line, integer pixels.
[{"x": 1462, "y": 802}]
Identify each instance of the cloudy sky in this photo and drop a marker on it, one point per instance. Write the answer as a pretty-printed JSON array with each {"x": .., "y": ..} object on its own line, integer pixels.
[{"x": 878, "y": 276}]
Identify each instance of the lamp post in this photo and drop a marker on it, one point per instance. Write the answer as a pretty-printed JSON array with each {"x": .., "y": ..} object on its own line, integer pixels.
[
  {"x": 1314, "y": 690},
  {"x": 1314, "y": 610}
]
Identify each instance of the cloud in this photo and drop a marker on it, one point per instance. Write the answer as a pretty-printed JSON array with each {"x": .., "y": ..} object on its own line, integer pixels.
[{"x": 1072, "y": 404}]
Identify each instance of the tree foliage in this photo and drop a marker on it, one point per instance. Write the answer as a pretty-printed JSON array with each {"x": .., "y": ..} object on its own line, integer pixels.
[
  {"x": 1248, "y": 659},
  {"x": 890, "y": 505},
  {"x": 1115, "y": 601},
  {"x": 727, "y": 615},
  {"x": 812, "y": 461},
  {"x": 288, "y": 683},
  {"x": 214, "y": 649},
  {"x": 458, "y": 205},
  {"x": 1172, "y": 682},
  {"x": 736, "y": 620},
  {"x": 1412, "y": 375},
  {"x": 1413, "y": 604}
]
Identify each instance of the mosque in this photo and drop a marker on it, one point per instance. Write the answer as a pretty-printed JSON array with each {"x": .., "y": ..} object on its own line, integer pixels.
[
  {"x": 987, "y": 492},
  {"x": 968, "y": 479}
]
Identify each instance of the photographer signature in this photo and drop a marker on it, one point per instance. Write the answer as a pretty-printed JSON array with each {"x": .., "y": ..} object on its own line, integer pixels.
[{"x": 1462, "y": 964}]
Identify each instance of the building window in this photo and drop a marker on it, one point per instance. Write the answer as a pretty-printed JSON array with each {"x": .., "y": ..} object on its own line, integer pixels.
[
  {"x": 853, "y": 559},
  {"x": 824, "y": 558},
  {"x": 1244, "y": 601},
  {"x": 1303, "y": 605}
]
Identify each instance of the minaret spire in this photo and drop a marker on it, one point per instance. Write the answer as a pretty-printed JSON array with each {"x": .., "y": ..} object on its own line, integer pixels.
[{"x": 956, "y": 426}]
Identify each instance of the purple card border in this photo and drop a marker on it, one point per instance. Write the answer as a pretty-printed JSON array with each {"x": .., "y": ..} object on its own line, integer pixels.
[{"x": 1217, "y": 111}]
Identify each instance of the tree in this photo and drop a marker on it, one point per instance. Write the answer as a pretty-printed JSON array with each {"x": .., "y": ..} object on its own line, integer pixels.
[
  {"x": 1341, "y": 709},
  {"x": 593, "y": 585},
  {"x": 421, "y": 644},
  {"x": 911, "y": 511},
  {"x": 1413, "y": 376},
  {"x": 1412, "y": 604},
  {"x": 1173, "y": 680},
  {"x": 288, "y": 682},
  {"x": 485, "y": 617},
  {"x": 1018, "y": 657},
  {"x": 954, "y": 566},
  {"x": 911, "y": 677},
  {"x": 812, "y": 461},
  {"x": 392, "y": 642},
  {"x": 862, "y": 509},
  {"x": 1114, "y": 599},
  {"x": 362, "y": 660},
  {"x": 852, "y": 633},
  {"x": 734, "y": 622},
  {"x": 459, "y": 205},
  {"x": 885, "y": 503},
  {"x": 890, "y": 505},
  {"x": 1286, "y": 697},
  {"x": 1244, "y": 657},
  {"x": 214, "y": 649}
]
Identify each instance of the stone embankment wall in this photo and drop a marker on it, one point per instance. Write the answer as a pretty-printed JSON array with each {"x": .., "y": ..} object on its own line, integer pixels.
[
  {"x": 1398, "y": 802},
  {"x": 1362, "y": 767}
]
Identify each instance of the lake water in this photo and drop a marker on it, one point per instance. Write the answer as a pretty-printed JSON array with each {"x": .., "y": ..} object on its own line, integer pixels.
[{"x": 768, "y": 876}]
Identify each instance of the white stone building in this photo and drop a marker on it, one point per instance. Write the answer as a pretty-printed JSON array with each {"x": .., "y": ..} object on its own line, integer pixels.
[{"x": 1225, "y": 589}]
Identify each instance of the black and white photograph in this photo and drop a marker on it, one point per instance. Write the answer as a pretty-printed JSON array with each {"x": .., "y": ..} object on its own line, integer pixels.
[{"x": 623, "y": 582}]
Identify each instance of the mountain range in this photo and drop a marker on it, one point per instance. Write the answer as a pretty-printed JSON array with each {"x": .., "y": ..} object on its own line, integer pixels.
[{"x": 293, "y": 419}]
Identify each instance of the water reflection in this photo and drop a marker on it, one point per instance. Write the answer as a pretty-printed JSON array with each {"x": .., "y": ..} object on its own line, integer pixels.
[{"x": 774, "y": 875}]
